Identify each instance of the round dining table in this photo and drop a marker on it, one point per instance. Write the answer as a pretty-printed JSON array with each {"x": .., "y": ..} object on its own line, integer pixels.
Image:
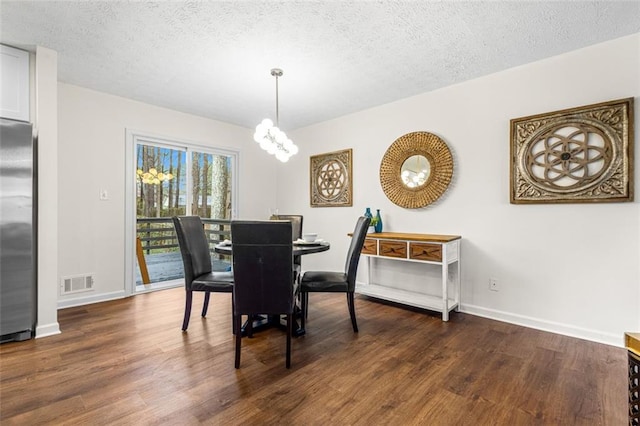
[{"x": 299, "y": 248}]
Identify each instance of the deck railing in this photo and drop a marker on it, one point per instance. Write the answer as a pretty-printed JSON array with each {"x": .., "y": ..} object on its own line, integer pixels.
[{"x": 157, "y": 235}]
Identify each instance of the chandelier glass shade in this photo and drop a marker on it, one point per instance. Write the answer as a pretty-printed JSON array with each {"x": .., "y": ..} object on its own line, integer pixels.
[
  {"x": 274, "y": 141},
  {"x": 270, "y": 137}
]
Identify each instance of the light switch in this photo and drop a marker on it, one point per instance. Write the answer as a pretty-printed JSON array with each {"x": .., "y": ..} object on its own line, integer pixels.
[{"x": 104, "y": 195}]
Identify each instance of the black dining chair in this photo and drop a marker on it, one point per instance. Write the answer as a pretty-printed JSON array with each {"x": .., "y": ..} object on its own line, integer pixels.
[
  {"x": 296, "y": 233},
  {"x": 263, "y": 275},
  {"x": 196, "y": 260},
  {"x": 337, "y": 282}
]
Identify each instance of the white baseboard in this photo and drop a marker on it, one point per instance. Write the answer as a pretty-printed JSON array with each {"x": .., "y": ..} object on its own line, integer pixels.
[
  {"x": 47, "y": 330},
  {"x": 86, "y": 300},
  {"x": 553, "y": 327}
]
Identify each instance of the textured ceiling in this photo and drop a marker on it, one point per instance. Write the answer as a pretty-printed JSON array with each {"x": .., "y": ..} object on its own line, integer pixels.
[{"x": 213, "y": 58}]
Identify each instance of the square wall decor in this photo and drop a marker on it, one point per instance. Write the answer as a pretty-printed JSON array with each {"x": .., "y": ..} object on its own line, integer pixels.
[
  {"x": 577, "y": 155},
  {"x": 331, "y": 183}
]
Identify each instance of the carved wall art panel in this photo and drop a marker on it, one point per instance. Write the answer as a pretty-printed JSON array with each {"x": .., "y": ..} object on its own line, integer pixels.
[
  {"x": 578, "y": 155},
  {"x": 331, "y": 183}
]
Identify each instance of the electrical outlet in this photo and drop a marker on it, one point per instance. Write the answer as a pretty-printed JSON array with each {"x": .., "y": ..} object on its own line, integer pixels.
[
  {"x": 493, "y": 284},
  {"x": 104, "y": 194}
]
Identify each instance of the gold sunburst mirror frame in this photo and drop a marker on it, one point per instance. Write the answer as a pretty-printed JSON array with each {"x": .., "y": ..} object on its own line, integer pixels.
[
  {"x": 577, "y": 155},
  {"x": 416, "y": 170}
]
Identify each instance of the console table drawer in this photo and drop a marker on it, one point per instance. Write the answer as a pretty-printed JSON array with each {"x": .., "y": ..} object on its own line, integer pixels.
[
  {"x": 424, "y": 251},
  {"x": 370, "y": 246},
  {"x": 393, "y": 249}
]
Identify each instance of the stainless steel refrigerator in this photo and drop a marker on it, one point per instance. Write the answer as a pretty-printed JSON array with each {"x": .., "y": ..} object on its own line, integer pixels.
[{"x": 17, "y": 231}]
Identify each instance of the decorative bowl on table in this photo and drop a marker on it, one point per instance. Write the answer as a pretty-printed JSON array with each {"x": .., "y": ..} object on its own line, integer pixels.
[{"x": 310, "y": 237}]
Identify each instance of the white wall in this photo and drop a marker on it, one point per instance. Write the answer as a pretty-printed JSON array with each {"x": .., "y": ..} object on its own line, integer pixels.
[
  {"x": 571, "y": 269},
  {"x": 91, "y": 156},
  {"x": 46, "y": 122}
]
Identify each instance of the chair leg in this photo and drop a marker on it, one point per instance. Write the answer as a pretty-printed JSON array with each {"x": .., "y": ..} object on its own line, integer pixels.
[
  {"x": 352, "y": 310},
  {"x": 187, "y": 310},
  {"x": 234, "y": 329},
  {"x": 237, "y": 321},
  {"x": 249, "y": 327},
  {"x": 289, "y": 331},
  {"x": 205, "y": 306},
  {"x": 304, "y": 300}
]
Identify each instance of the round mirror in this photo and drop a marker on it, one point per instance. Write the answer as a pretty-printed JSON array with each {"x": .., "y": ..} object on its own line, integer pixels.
[{"x": 415, "y": 171}]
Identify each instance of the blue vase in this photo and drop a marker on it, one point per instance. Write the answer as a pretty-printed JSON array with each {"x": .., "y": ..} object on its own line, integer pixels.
[
  {"x": 379, "y": 222},
  {"x": 368, "y": 214}
]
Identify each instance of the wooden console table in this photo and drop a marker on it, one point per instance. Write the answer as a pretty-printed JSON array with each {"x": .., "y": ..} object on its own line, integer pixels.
[{"x": 442, "y": 250}]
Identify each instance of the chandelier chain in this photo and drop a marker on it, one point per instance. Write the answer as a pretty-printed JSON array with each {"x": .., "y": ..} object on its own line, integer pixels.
[
  {"x": 277, "y": 105},
  {"x": 277, "y": 72}
]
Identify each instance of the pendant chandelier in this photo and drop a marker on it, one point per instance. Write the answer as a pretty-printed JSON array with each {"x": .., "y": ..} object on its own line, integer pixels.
[{"x": 270, "y": 137}]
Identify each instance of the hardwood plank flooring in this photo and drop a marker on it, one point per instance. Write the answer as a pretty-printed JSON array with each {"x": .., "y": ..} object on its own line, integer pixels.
[{"x": 127, "y": 362}]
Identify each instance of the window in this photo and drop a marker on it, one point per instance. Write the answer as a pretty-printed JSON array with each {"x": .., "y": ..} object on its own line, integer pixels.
[{"x": 173, "y": 178}]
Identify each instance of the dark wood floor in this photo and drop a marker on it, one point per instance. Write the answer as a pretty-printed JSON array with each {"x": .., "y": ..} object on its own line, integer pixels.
[{"x": 127, "y": 362}]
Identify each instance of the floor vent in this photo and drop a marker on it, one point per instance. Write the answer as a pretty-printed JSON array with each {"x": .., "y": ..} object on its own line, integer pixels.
[{"x": 76, "y": 284}]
